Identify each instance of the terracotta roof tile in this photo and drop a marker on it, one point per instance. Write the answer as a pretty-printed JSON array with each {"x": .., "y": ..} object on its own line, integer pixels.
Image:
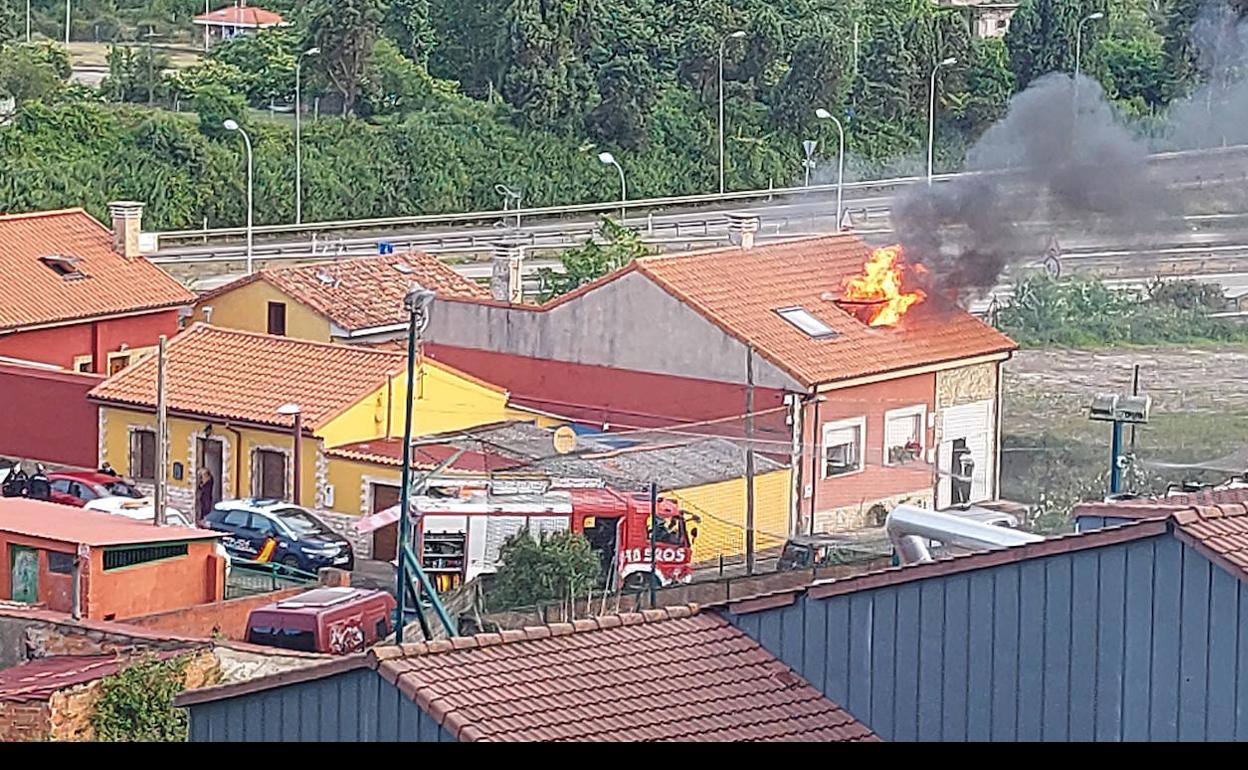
[
  {"x": 242, "y": 16},
  {"x": 556, "y": 684},
  {"x": 1151, "y": 507},
  {"x": 53, "y": 521},
  {"x": 1219, "y": 530},
  {"x": 366, "y": 292},
  {"x": 245, "y": 376},
  {"x": 37, "y": 680},
  {"x": 33, "y": 294},
  {"x": 740, "y": 291}
]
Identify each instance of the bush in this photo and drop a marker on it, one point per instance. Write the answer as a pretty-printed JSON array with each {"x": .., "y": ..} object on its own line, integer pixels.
[
  {"x": 1083, "y": 312},
  {"x": 555, "y": 568},
  {"x": 214, "y": 105},
  {"x": 136, "y": 703}
]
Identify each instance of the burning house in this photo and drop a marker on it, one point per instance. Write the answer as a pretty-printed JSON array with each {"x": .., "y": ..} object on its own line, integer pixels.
[{"x": 876, "y": 392}]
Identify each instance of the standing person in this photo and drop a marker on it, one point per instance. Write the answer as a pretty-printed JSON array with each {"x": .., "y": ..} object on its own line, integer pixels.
[
  {"x": 204, "y": 501},
  {"x": 39, "y": 488}
]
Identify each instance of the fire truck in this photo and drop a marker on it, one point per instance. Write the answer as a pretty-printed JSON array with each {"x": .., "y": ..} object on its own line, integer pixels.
[{"x": 458, "y": 531}]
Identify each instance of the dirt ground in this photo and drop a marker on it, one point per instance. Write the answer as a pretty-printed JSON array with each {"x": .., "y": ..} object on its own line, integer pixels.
[{"x": 1053, "y": 456}]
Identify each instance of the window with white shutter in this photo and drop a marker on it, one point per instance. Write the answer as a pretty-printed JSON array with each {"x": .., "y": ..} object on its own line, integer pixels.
[
  {"x": 843, "y": 446},
  {"x": 904, "y": 432}
]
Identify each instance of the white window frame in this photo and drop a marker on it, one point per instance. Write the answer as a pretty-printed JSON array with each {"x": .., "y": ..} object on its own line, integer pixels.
[
  {"x": 87, "y": 359},
  {"x": 831, "y": 427},
  {"x": 919, "y": 410}
]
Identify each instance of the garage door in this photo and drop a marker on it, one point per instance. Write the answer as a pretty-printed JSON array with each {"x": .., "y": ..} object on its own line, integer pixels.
[{"x": 973, "y": 424}]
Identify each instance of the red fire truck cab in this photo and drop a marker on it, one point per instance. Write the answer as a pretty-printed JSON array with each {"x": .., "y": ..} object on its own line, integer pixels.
[{"x": 459, "y": 531}]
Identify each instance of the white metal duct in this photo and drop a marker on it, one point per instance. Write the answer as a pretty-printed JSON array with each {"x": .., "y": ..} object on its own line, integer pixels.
[{"x": 910, "y": 528}]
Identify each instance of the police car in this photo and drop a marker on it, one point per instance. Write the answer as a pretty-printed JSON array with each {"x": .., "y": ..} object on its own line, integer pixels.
[{"x": 300, "y": 540}]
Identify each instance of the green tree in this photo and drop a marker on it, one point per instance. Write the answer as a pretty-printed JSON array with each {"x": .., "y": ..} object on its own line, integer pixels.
[
  {"x": 1134, "y": 70},
  {"x": 345, "y": 31},
  {"x": 547, "y": 81},
  {"x": 210, "y": 72},
  {"x": 396, "y": 84},
  {"x": 1042, "y": 36},
  {"x": 470, "y": 43},
  {"x": 617, "y": 247},
  {"x": 407, "y": 23},
  {"x": 989, "y": 84},
  {"x": 266, "y": 61},
  {"x": 819, "y": 75},
  {"x": 136, "y": 703},
  {"x": 32, "y": 71},
  {"x": 134, "y": 74},
  {"x": 8, "y": 21},
  {"x": 557, "y": 567},
  {"x": 214, "y": 105}
]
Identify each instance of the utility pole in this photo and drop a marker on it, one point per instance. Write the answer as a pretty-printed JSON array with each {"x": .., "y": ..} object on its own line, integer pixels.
[
  {"x": 654, "y": 546},
  {"x": 162, "y": 437},
  {"x": 749, "y": 460},
  {"x": 1135, "y": 391}
]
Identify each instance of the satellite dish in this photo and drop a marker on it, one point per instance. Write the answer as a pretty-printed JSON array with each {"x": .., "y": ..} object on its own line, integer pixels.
[{"x": 565, "y": 440}]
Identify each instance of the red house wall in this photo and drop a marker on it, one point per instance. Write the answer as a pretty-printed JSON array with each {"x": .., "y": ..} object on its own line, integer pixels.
[
  {"x": 45, "y": 416},
  {"x": 877, "y": 480},
  {"x": 59, "y": 345}
]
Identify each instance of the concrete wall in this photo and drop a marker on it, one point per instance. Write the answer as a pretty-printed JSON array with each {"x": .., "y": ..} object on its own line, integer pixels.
[
  {"x": 45, "y": 416},
  {"x": 356, "y": 706},
  {"x": 226, "y": 618},
  {"x": 166, "y": 584},
  {"x": 629, "y": 323},
  {"x": 1141, "y": 640}
]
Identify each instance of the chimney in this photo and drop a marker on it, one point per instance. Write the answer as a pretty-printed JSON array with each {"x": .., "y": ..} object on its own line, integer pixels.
[
  {"x": 741, "y": 229},
  {"x": 127, "y": 224},
  {"x": 505, "y": 282}
]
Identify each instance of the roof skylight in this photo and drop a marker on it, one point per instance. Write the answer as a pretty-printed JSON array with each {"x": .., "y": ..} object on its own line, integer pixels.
[{"x": 802, "y": 319}]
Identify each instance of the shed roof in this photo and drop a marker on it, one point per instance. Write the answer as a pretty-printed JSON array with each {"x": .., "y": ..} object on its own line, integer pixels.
[
  {"x": 661, "y": 675},
  {"x": 362, "y": 293},
  {"x": 239, "y": 16},
  {"x": 37, "y": 680},
  {"x": 32, "y": 293},
  {"x": 67, "y": 524}
]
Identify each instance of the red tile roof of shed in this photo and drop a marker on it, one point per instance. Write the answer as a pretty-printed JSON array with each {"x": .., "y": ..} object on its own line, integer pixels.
[
  {"x": 661, "y": 675},
  {"x": 67, "y": 524},
  {"x": 1151, "y": 507},
  {"x": 740, "y": 290},
  {"x": 424, "y": 457},
  {"x": 33, "y": 294},
  {"x": 362, "y": 293}
]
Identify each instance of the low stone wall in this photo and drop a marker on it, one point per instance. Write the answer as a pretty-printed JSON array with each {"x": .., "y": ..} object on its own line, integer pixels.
[
  {"x": 860, "y": 516},
  {"x": 226, "y": 619},
  {"x": 24, "y": 721}
]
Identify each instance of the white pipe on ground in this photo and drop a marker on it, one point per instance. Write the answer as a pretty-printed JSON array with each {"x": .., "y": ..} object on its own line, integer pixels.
[{"x": 909, "y": 528}]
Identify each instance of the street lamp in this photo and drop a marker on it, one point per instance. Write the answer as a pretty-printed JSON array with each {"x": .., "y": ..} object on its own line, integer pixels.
[
  {"x": 509, "y": 195},
  {"x": 731, "y": 36},
  {"x": 1079, "y": 48},
  {"x": 417, "y": 303},
  {"x": 931, "y": 113},
  {"x": 66, "y": 25},
  {"x": 298, "y": 138},
  {"x": 823, "y": 114},
  {"x": 293, "y": 410},
  {"x": 232, "y": 125},
  {"x": 608, "y": 159},
  {"x": 27, "y": 21}
]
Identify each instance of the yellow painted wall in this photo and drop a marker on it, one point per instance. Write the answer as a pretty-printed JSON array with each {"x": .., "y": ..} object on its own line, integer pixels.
[
  {"x": 247, "y": 308},
  {"x": 349, "y": 478},
  {"x": 115, "y": 450},
  {"x": 445, "y": 401},
  {"x": 364, "y": 421},
  {"x": 721, "y": 507}
]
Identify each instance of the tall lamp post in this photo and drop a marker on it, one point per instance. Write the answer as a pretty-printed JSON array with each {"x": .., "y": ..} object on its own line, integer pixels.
[
  {"x": 931, "y": 113},
  {"x": 66, "y": 24},
  {"x": 298, "y": 137},
  {"x": 823, "y": 114},
  {"x": 232, "y": 125},
  {"x": 730, "y": 36},
  {"x": 27, "y": 21},
  {"x": 1079, "y": 49},
  {"x": 293, "y": 411},
  {"x": 417, "y": 303},
  {"x": 608, "y": 159}
]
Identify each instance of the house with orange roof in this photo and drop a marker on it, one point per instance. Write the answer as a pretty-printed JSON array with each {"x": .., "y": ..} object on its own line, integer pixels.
[
  {"x": 869, "y": 416},
  {"x": 234, "y": 20},
  {"x": 351, "y": 301},
  {"x": 225, "y": 393},
  {"x": 80, "y": 296}
]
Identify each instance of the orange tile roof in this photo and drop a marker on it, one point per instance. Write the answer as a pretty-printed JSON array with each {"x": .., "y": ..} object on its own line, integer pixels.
[
  {"x": 239, "y": 375},
  {"x": 740, "y": 290},
  {"x": 67, "y": 524},
  {"x": 32, "y": 294},
  {"x": 245, "y": 16},
  {"x": 363, "y": 293}
]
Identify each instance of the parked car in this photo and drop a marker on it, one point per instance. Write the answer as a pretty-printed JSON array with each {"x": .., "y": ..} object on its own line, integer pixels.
[
  {"x": 141, "y": 508},
  {"x": 335, "y": 620},
  {"x": 301, "y": 540},
  {"x": 81, "y": 487}
]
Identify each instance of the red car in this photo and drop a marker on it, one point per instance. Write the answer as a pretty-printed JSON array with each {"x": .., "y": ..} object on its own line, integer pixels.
[{"x": 81, "y": 487}]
